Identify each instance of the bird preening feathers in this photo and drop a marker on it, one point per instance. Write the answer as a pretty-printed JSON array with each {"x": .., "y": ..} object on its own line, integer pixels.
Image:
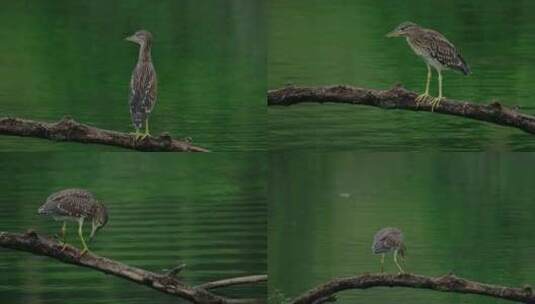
[
  {"x": 389, "y": 240},
  {"x": 76, "y": 205},
  {"x": 143, "y": 84},
  {"x": 436, "y": 51}
]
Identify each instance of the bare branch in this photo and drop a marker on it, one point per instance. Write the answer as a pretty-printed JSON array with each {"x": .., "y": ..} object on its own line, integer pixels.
[
  {"x": 400, "y": 98},
  {"x": 446, "y": 283},
  {"x": 40, "y": 245},
  {"x": 234, "y": 281},
  {"x": 68, "y": 129}
]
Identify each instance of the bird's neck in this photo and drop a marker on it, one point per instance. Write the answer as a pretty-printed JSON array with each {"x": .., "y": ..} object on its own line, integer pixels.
[{"x": 144, "y": 53}]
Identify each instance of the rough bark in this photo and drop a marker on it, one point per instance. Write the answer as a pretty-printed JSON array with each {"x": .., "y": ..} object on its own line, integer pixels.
[
  {"x": 400, "y": 98},
  {"x": 164, "y": 282},
  {"x": 68, "y": 129},
  {"x": 447, "y": 283}
]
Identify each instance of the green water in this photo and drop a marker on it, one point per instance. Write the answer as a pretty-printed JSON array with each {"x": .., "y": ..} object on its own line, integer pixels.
[
  {"x": 315, "y": 42},
  {"x": 208, "y": 211},
  {"x": 65, "y": 57},
  {"x": 471, "y": 214}
]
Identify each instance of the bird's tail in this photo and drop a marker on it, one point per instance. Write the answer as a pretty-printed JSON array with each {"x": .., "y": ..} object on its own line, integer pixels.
[{"x": 463, "y": 67}]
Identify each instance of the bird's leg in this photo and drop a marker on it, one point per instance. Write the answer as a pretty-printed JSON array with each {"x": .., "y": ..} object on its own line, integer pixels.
[
  {"x": 436, "y": 101},
  {"x": 137, "y": 134},
  {"x": 425, "y": 95},
  {"x": 93, "y": 230},
  {"x": 63, "y": 233},
  {"x": 146, "y": 129},
  {"x": 382, "y": 262},
  {"x": 396, "y": 261},
  {"x": 80, "y": 234}
]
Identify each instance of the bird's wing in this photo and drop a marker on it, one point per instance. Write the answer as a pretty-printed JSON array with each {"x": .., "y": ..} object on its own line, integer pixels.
[
  {"x": 72, "y": 202},
  {"x": 143, "y": 86},
  {"x": 442, "y": 50}
]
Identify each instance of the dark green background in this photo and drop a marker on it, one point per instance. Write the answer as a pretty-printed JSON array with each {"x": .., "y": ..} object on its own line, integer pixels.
[
  {"x": 208, "y": 211},
  {"x": 66, "y": 57},
  {"x": 472, "y": 214},
  {"x": 317, "y": 42}
]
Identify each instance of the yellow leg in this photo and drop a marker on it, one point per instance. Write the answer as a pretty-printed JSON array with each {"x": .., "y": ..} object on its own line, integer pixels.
[
  {"x": 436, "y": 101},
  {"x": 146, "y": 129},
  {"x": 425, "y": 95},
  {"x": 137, "y": 134},
  {"x": 80, "y": 234},
  {"x": 396, "y": 261},
  {"x": 63, "y": 233},
  {"x": 382, "y": 262}
]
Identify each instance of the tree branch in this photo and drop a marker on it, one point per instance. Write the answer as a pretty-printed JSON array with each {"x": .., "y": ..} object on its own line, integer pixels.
[
  {"x": 234, "y": 281},
  {"x": 68, "y": 129},
  {"x": 40, "y": 245},
  {"x": 446, "y": 283},
  {"x": 400, "y": 98}
]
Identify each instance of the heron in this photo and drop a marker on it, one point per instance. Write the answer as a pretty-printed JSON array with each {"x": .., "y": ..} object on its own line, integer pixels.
[
  {"x": 389, "y": 240},
  {"x": 436, "y": 51},
  {"x": 76, "y": 205},
  {"x": 143, "y": 84}
]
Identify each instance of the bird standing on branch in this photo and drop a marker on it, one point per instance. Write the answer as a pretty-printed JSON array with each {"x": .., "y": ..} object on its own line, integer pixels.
[
  {"x": 75, "y": 205},
  {"x": 389, "y": 240},
  {"x": 143, "y": 84},
  {"x": 436, "y": 51}
]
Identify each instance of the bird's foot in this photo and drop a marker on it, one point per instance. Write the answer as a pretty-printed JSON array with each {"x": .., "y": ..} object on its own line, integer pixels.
[
  {"x": 422, "y": 98},
  {"x": 83, "y": 252},
  {"x": 136, "y": 135},
  {"x": 144, "y": 135},
  {"x": 435, "y": 102},
  {"x": 63, "y": 247}
]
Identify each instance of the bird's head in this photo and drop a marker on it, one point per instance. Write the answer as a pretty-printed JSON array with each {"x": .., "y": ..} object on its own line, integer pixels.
[
  {"x": 141, "y": 37},
  {"x": 403, "y": 30},
  {"x": 99, "y": 220}
]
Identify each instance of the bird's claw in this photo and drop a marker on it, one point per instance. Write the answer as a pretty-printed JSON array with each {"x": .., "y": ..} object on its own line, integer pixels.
[
  {"x": 422, "y": 98},
  {"x": 143, "y": 136},
  {"x": 435, "y": 102},
  {"x": 84, "y": 252}
]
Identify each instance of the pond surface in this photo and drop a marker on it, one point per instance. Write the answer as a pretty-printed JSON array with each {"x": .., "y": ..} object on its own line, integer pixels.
[
  {"x": 70, "y": 58},
  {"x": 206, "y": 211},
  {"x": 315, "y": 43},
  {"x": 466, "y": 213}
]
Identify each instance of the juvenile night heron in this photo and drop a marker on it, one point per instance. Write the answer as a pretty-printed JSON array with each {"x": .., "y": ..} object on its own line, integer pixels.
[
  {"x": 75, "y": 205},
  {"x": 143, "y": 84},
  {"x": 389, "y": 240},
  {"x": 436, "y": 51}
]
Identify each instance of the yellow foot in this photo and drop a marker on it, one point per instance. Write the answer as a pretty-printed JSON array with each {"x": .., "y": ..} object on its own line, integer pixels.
[
  {"x": 84, "y": 252},
  {"x": 63, "y": 247},
  {"x": 144, "y": 135},
  {"x": 136, "y": 135},
  {"x": 422, "y": 98},
  {"x": 435, "y": 102}
]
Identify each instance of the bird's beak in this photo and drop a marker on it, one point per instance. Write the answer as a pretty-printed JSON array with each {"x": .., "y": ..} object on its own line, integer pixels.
[
  {"x": 131, "y": 38},
  {"x": 393, "y": 34}
]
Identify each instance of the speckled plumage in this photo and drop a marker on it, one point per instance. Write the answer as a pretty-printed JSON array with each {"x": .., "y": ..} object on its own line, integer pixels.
[
  {"x": 143, "y": 83},
  {"x": 72, "y": 203},
  {"x": 436, "y": 50},
  {"x": 76, "y": 205},
  {"x": 387, "y": 240}
]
